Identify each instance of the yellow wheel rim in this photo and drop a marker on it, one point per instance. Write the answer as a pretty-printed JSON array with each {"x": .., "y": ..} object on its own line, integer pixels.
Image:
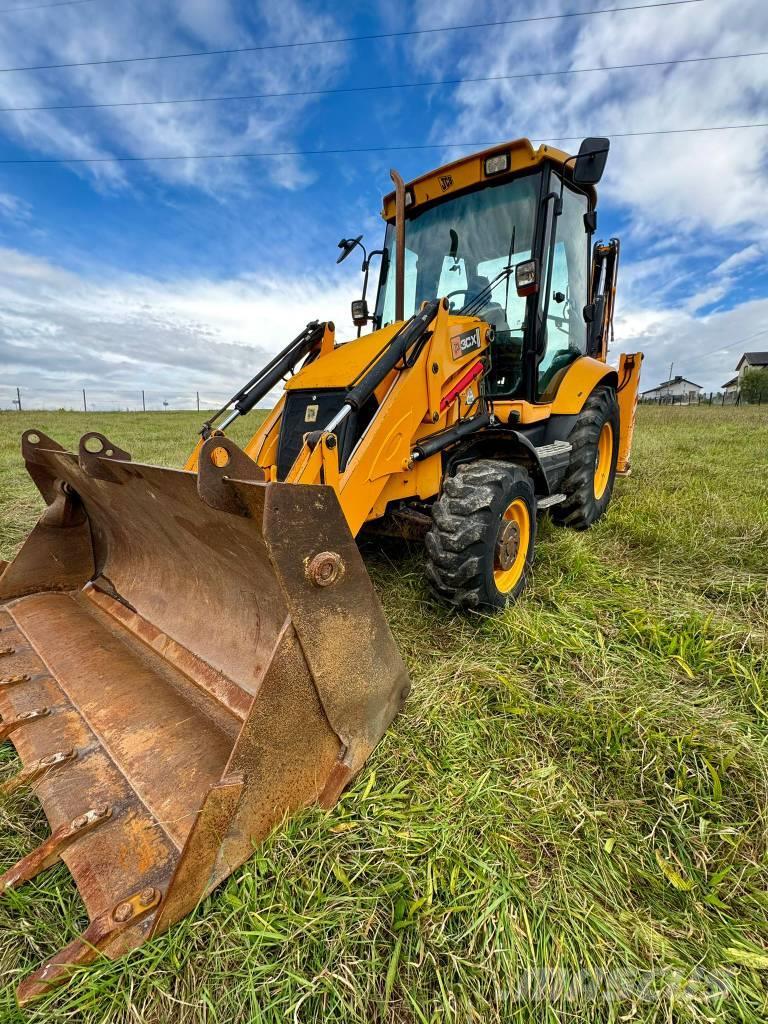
[
  {"x": 512, "y": 546},
  {"x": 603, "y": 460}
]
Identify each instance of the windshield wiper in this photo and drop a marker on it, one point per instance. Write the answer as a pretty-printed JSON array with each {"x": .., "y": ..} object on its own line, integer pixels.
[{"x": 475, "y": 304}]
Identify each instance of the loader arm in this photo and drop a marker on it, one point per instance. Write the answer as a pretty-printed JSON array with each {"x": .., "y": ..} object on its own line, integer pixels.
[{"x": 419, "y": 381}]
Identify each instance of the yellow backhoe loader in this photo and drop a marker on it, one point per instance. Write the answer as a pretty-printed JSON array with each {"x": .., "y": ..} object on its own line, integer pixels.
[{"x": 186, "y": 656}]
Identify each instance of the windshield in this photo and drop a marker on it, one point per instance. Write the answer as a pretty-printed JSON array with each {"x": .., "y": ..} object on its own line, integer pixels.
[{"x": 455, "y": 249}]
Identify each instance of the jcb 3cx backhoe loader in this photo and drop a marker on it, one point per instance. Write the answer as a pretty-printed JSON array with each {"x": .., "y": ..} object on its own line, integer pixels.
[{"x": 186, "y": 656}]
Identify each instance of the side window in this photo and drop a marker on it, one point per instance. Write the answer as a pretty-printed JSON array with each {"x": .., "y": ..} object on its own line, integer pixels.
[
  {"x": 388, "y": 312},
  {"x": 566, "y": 332}
]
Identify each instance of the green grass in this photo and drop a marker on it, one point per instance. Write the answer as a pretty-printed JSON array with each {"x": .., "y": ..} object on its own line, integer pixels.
[{"x": 567, "y": 822}]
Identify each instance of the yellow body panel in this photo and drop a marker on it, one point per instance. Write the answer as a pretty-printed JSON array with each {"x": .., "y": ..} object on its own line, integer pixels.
[
  {"x": 629, "y": 385},
  {"x": 526, "y": 412},
  {"x": 341, "y": 366},
  {"x": 470, "y": 170},
  {"x": 262, "y": 447},
  {"x": 579, "y": 381}
]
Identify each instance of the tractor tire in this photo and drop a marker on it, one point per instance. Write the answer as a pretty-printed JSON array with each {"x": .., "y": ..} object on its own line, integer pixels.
[
  {"x": 588, "y": 481},
  {"x": 480, "y": 544}
]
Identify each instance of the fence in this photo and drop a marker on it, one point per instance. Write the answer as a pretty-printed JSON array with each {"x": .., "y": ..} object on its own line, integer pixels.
[
  {"x": 702, "y": 398},
  {"x": 146, "y": 400},
  {"x": 64, "y": 399}
]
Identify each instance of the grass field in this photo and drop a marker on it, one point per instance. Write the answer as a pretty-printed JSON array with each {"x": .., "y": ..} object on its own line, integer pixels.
[{"x": 567, "y": 822}]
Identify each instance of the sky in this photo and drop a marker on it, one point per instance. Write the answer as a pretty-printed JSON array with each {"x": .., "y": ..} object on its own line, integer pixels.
[{"x": 180, "y": 276}]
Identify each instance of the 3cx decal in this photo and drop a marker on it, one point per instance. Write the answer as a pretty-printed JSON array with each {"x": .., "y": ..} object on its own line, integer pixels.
[{"x": 461, "y": 344}]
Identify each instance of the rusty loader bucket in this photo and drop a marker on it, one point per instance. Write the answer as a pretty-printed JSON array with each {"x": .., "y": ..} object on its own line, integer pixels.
[{"x": 185, "y": 658}]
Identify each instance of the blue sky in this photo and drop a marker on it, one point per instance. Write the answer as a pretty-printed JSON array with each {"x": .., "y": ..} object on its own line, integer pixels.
[{"x": 177, "y": 276}]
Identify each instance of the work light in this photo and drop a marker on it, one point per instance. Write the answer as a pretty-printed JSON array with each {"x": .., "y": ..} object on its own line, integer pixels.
[
  {"x": 360, "y": 313},
  {"x": 497, "y": 164}
]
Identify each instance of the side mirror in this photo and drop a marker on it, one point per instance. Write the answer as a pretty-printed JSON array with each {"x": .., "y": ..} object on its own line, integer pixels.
[
  {"x": 360, "y": 315},
  {"x": 347, "y": 245},
  {"x": 590, "y": 163}
]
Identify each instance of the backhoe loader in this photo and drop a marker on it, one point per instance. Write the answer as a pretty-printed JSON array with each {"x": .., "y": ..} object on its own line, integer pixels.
[{"x": 187, "y": 656}]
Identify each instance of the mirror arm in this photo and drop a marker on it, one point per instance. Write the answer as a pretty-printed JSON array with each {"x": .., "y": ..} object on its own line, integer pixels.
[
  {"x": 383, "y": 253},
  {"x": 365, "y": 286}
]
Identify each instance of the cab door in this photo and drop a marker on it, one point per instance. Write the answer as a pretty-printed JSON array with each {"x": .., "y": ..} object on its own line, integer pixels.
[{"x": 563, "y": 336}]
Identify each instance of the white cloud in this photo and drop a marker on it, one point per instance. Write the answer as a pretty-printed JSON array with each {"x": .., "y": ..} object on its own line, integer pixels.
[
  {"x": 688, "y": 200},
  {"x": 696, "y": 206},
  {"x": 84, "y": 33},
  {"x": 712, "y": 180},
  {"x": 703, "y": 349},
  {"x": 740, "y": 259},
  {"x": 114, "y": 335},
  {"x": 13, "y": 208}
]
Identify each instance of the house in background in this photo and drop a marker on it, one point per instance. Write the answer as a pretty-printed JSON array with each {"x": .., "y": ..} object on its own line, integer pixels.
[
  {"x": 676, "y": 389},
  {"x": 751, "y": 361},
  {"x": 731, "y": 386}
]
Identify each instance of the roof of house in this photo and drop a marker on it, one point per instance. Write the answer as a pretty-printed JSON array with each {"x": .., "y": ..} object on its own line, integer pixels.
[
  {"x": 674, "y": 380},
  {"x": 731, "y": 383},
  {"x": 753, "y": 359}
]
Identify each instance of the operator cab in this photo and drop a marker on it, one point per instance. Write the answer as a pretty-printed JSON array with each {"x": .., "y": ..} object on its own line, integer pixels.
[{"x": 469, "y": 225}]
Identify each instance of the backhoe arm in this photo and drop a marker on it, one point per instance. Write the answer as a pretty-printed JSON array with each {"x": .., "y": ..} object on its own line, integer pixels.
[{"x": 605, "y": 269}]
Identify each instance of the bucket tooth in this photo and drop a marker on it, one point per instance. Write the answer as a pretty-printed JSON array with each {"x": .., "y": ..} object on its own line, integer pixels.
[
  {"x": 7, "y": 726},
  {"x": 87, "y": 947},
  {"x": 36, "y": 769},
  {"x": 15, "y": 680},
  {"x": 50, "y": 851}
]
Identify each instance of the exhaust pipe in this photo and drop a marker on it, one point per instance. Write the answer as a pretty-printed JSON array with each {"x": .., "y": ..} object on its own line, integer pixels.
[{"x": 399, "y": 244}]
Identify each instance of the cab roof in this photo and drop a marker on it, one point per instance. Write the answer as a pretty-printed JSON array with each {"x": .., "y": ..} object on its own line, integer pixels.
[{"x": 468, "y": 171}]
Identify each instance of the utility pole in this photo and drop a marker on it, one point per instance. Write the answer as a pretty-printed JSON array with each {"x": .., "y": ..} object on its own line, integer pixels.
[
  {"x": 143, "y": 402},
  {"x": 197, "y": 393},
  {"x": 671, "y": 368},
  {"x": 85, "y": 404},
  {"x": 18, "y": 398}
]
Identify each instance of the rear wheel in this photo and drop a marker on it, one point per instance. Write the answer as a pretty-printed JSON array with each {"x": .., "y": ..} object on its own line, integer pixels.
[
  {"x": 480, "y": 545},
  {"x": 589, "y": 479}
]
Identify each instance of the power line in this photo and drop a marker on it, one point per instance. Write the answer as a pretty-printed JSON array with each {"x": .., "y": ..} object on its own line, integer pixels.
[
  {"x": 377, "y": 88},
  {"x": 40, "y": 7},
  {"x": 733, "y": 344},
  {"x": 367, "y": 149},
  {"x": 350, "y": 39}
]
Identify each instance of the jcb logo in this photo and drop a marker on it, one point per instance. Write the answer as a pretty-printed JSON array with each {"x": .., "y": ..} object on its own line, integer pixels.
[{"x": 445, "y": 182}]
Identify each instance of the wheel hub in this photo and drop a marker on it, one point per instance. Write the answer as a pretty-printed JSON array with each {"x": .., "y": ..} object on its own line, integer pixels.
[{"x": 507, "y": 545}]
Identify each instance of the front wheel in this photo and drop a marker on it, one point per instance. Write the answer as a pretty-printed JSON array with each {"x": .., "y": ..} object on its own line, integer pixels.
[
  {"x": 480, "y": 545},
  {"x": 589, "y": 479}
]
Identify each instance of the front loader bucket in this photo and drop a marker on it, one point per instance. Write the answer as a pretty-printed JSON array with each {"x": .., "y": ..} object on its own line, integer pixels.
[{"x": 185, "y": 658}]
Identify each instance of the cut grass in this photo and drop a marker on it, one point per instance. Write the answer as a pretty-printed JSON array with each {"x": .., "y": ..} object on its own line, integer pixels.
[{"x": 566, "y": 823}]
